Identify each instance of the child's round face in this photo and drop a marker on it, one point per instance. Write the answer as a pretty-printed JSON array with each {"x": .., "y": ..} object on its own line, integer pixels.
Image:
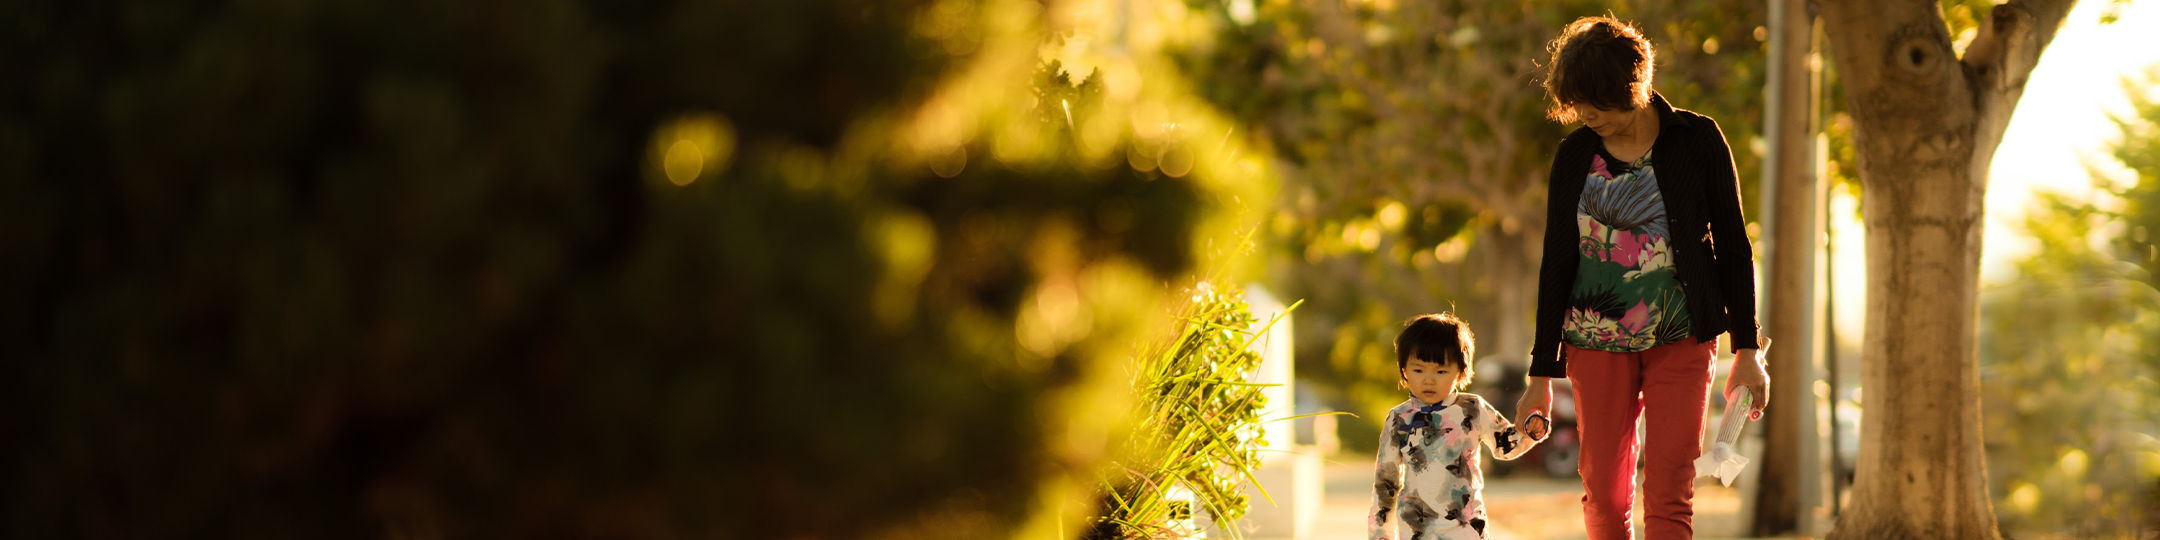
[{"x": 1430, "y": 382}]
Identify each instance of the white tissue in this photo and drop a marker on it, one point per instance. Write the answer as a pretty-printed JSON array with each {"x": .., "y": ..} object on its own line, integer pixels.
[{"x": 1723, "y": 461}]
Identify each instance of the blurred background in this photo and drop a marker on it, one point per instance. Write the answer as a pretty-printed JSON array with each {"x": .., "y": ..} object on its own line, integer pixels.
[{"x": 880, "y": 269}]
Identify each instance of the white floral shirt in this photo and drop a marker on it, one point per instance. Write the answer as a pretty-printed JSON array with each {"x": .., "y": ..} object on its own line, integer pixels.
[{"x": 1428, "y": 478}]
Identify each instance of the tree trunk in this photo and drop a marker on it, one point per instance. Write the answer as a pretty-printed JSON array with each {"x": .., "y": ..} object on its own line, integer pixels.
[
  {"x": 1926, "y": 125},
  {"x": 1793, "y": 231},
  {"x": 1514, "y": 283}
]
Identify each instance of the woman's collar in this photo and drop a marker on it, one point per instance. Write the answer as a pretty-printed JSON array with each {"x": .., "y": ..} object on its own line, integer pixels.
[{"x": 1668, "y": 117}]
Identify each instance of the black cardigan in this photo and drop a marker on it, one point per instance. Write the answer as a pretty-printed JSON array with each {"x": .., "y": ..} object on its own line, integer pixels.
[{"x": 1716, "y": 266}]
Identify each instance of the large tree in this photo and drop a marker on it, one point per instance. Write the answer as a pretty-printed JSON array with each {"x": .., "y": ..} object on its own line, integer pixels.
[{"x": 1926, "y": 123}]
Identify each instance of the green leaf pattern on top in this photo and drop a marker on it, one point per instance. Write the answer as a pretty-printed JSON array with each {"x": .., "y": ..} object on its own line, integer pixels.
[{"x": 1627, "y": 296}]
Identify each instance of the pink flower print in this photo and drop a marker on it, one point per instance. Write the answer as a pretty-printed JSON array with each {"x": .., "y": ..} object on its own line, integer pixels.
[
  {"x": 1627, "y": 247},
  {"x": 1588, "y": 226},
  {"x": 1597, "y": 167},
  {"x": 1636, "y": 318},
  {"x": 1654, "y": 256}
]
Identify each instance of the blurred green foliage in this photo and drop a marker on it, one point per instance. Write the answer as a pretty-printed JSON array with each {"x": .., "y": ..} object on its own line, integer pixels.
[
  {"x": 1415, "y": 154},
  {"x": 2138, "y": 149},
  {"x": 356, "y": 269},
  {"x": 2070, "y": 355}
]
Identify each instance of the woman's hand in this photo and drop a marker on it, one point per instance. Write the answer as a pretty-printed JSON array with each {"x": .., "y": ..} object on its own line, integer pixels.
[
  {"x": 1747, "y": 370},
  {"x": 1537, "y": 399}
]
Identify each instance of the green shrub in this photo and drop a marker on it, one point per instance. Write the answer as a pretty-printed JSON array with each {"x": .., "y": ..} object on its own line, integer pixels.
[{"x": 1198, "y": 424}]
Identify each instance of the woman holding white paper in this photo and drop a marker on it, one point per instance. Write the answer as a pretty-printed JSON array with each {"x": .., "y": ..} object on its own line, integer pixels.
[{"x": 1646, "y": 264}]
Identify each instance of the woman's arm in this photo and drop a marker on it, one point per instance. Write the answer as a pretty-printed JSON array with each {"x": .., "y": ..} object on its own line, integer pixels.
[
  {"x": 1736, "y": 271},
  {"x": 1556, "y": 267},
  {"x": 1556, "y": 276},
  {"x": 1729, "y": 242}
]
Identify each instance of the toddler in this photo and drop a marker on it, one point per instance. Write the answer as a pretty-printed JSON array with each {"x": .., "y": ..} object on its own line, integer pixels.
[{"x": 1428, "y": 478}]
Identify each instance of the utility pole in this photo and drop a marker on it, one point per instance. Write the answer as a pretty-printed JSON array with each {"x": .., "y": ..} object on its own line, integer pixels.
[{"x": 1787, "y": 487}]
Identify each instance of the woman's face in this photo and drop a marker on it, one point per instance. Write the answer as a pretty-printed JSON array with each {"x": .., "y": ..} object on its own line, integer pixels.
[{"x": 1605, "y": 122}]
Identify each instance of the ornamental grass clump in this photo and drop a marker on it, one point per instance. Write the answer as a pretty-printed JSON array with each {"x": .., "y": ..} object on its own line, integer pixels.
[{"x": 1197, "y": 433}]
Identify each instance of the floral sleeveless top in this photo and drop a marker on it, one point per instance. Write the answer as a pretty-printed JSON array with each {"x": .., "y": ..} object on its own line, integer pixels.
[{"x": 1627, "y": 296}]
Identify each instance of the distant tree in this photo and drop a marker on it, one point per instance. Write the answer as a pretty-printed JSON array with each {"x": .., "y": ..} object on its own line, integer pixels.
[
  {"x": 2067, "y": 377},
  {"x": 2138, "y": 149}
]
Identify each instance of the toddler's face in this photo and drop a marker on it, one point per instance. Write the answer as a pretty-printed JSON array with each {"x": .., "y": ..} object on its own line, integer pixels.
[{"x": 1430, "y": 382}]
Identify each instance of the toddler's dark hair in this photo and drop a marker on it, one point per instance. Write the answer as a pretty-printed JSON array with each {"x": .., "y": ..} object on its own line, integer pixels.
[{"x": 1440, "y": 338}]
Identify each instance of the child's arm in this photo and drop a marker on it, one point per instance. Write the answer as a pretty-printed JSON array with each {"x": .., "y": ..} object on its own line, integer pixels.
[
  {"x": 1387, "y": 482},
  {"x": 1507, "y": 441}
]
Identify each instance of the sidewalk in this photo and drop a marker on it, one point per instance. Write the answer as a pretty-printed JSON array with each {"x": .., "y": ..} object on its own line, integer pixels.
[{"x": 1525, "y": 506}]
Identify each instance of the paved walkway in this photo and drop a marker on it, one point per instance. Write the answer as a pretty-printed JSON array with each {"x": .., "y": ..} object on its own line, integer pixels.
[{"x": 1525, "y": 506}]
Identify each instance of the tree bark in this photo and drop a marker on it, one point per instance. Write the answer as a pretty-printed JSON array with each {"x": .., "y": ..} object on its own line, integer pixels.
[{"x": 1926, "y": 125}]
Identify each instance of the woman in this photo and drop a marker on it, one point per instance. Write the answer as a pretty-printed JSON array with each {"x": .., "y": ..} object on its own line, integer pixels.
[{"x": 1646, "y": 263}]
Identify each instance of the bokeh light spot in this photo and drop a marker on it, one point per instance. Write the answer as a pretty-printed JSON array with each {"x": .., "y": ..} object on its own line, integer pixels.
[
  {"x": 1392, "y": 215},
  {"x": 1177, "y": 160},
  {"x": 1142, "y": 155},
  {"x": 692, "y": 146},
  {"x": 948, "y": 164},
  {"x": 2073, "y": 463},
  {"x": 2025, "y": 497},
  {"x": 684, "y": 162}
]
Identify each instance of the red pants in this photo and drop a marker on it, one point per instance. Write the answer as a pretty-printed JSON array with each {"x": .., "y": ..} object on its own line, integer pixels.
[{"x": 1672, "y": 383}]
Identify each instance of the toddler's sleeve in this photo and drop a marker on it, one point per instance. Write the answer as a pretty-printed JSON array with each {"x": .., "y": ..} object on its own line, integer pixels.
[
  {"x": 1507, "y": 441},
  {"x": 1387, "y": 481}
]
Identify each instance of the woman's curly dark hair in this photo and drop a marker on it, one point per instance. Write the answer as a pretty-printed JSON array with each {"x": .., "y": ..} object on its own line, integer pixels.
[{"x": 1601, "y": 62}]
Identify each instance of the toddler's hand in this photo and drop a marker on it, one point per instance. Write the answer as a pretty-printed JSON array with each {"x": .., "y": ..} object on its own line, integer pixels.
[
  {"x": 1536, "y": 427},
  {"x": 1535, "y": 401}
]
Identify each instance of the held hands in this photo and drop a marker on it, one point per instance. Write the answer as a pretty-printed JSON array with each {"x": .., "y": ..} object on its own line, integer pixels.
[
  {"x": 1535, "y": 407},
  {"x": 1537, "y": 427},
  {"x": 1747, "y": 370}
]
